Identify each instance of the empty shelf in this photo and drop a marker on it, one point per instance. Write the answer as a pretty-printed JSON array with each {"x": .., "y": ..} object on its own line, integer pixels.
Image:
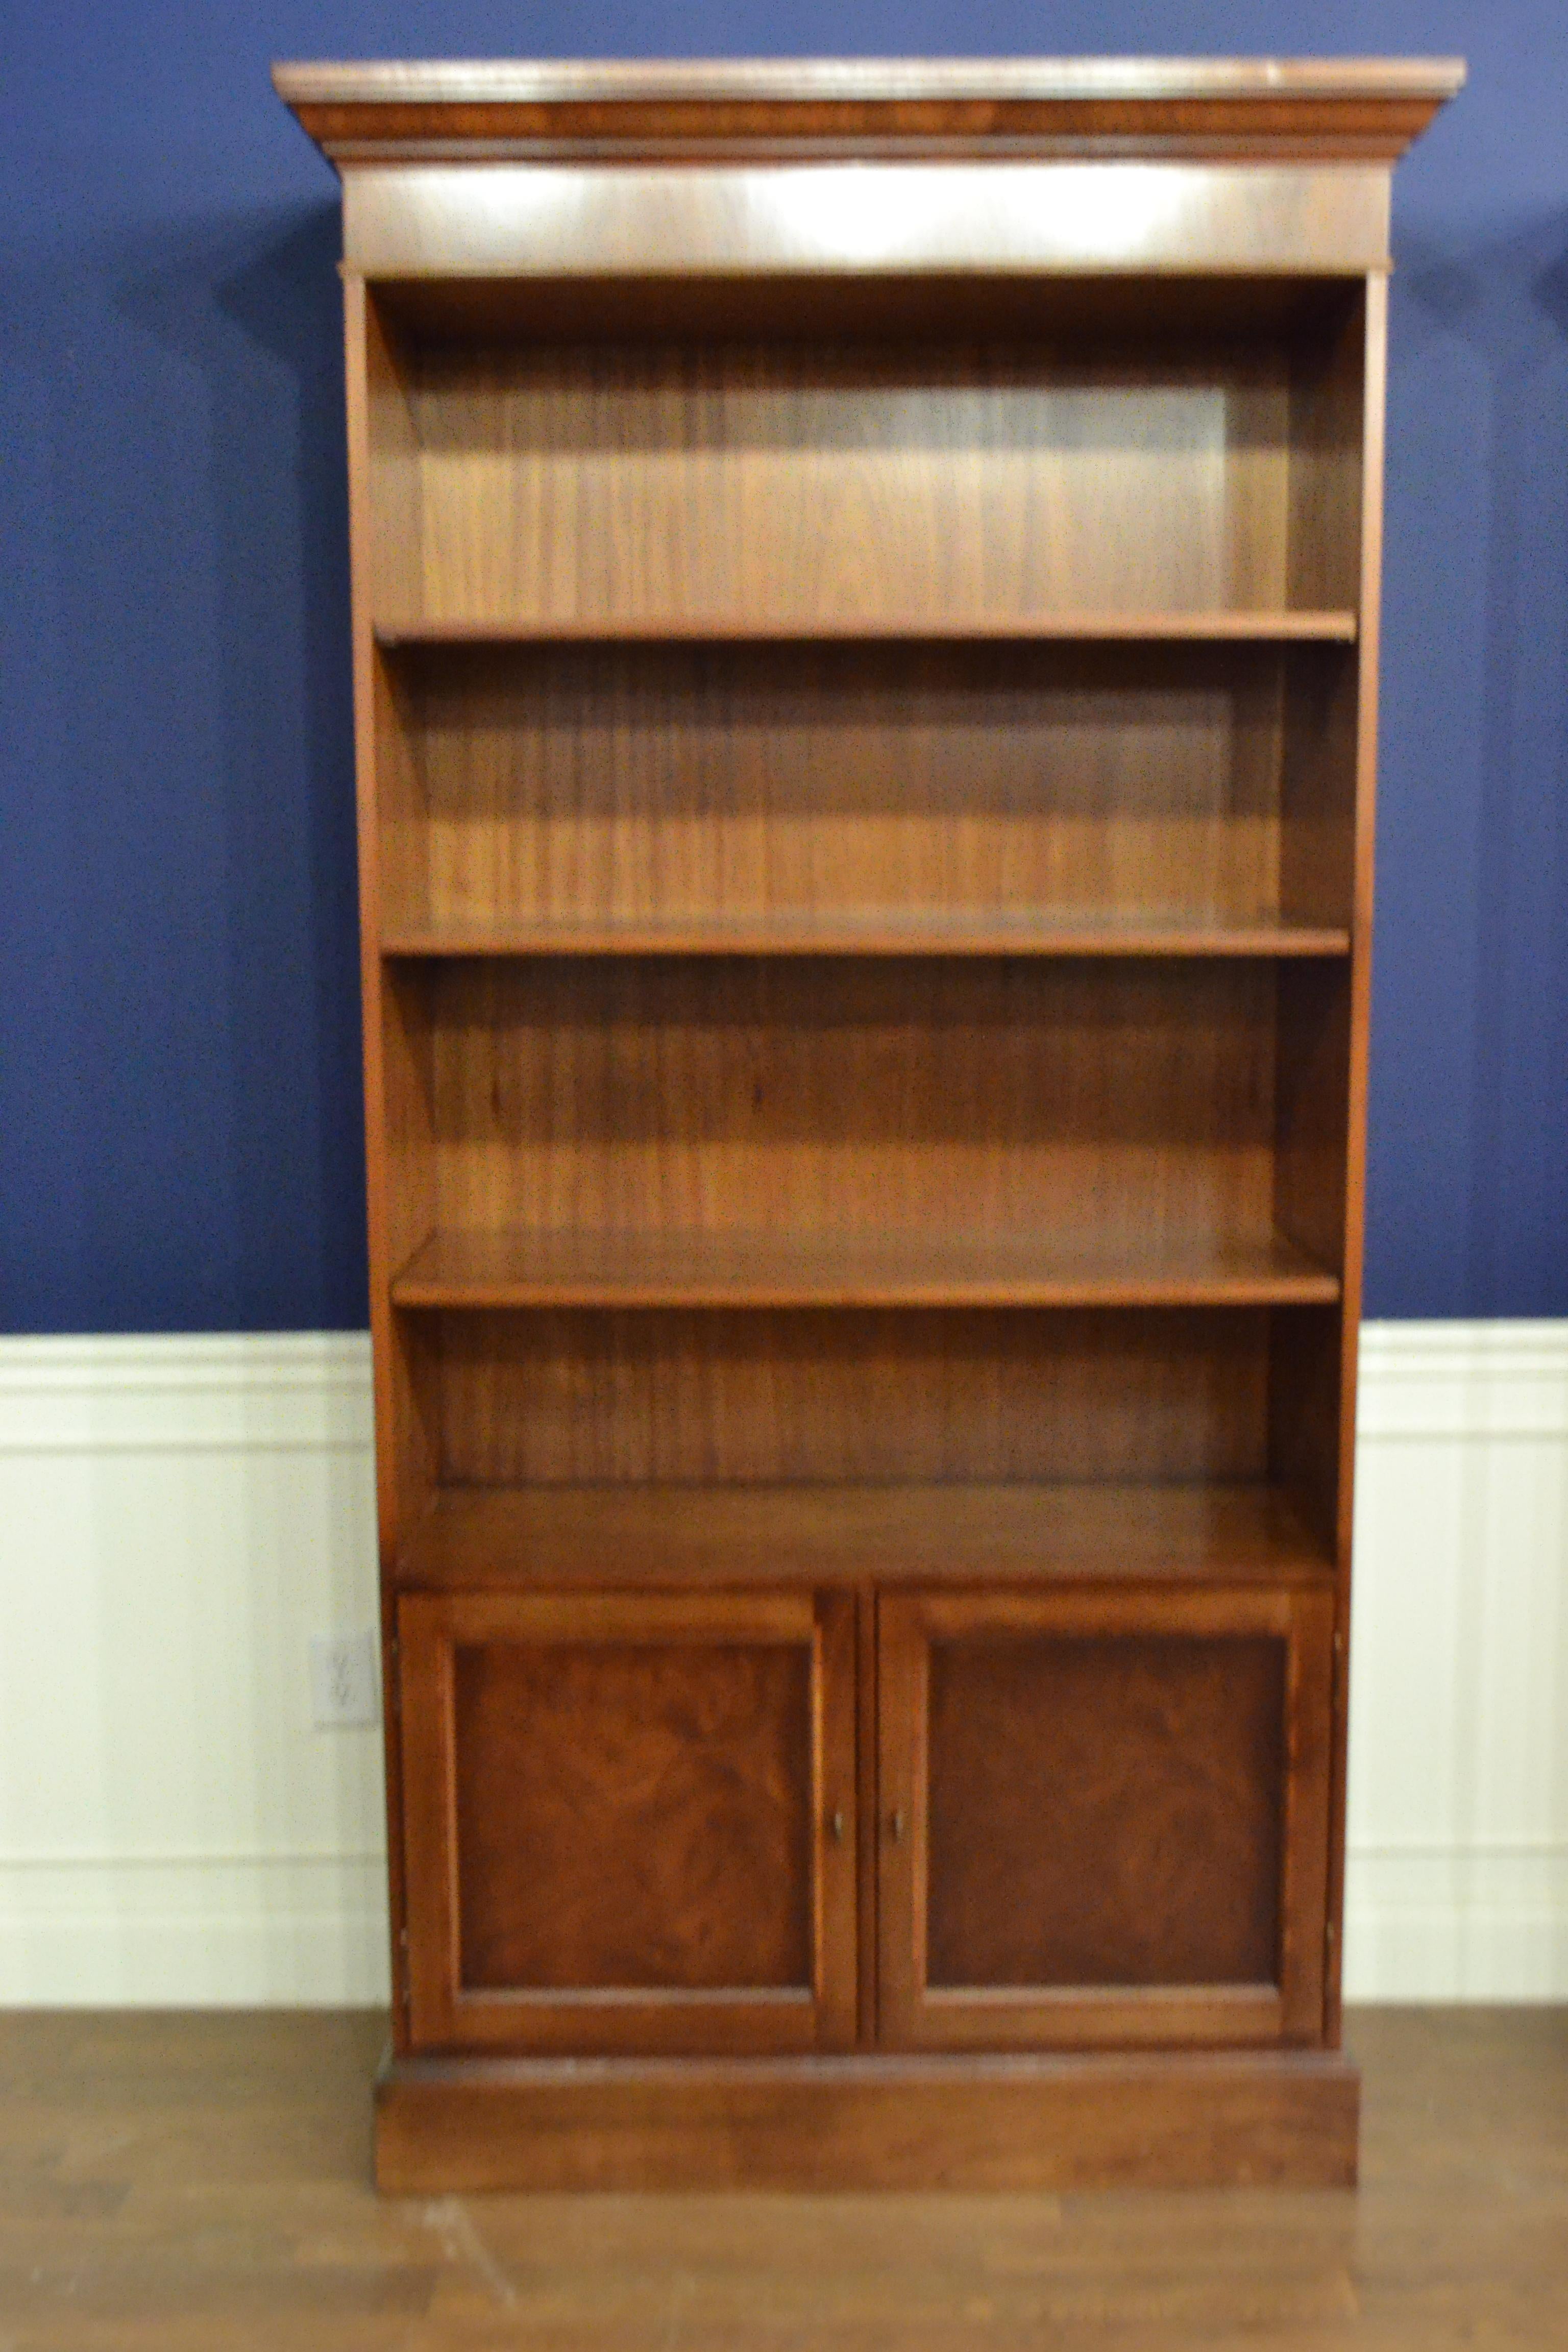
[
  {"x": 849, "y": 1268},
  {"x": 631, "y": 1534},
  {"x": 882, "y": 932},
  {"x": 1269, "y": 628}
]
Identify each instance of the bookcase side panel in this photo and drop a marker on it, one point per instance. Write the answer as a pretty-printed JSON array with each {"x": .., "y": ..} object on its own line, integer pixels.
[
  {"x": 403, "y": 1461},
  {"x": 1374, "y": 413}
]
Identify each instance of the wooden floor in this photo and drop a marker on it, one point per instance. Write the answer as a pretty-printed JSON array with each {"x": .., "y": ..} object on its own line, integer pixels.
[{"x": 202, "y": 2180}]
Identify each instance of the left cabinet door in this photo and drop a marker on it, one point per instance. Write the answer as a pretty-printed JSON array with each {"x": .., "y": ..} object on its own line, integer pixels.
[{"x": 629, "y": 1820}]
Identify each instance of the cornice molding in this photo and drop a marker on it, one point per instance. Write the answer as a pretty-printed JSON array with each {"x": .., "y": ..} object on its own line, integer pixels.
[{"x": 1202, "y": 110}]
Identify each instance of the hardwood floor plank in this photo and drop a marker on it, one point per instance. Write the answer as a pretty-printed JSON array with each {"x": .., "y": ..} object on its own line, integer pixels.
[{"x": 200, "y": 2183}]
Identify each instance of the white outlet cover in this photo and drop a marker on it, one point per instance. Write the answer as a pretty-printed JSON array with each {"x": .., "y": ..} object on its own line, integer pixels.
[{"x": 343, "y": 1680}]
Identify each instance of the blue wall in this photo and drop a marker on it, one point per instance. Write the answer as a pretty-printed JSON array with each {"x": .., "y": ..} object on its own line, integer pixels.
[{"x": 179, "y": 1113}]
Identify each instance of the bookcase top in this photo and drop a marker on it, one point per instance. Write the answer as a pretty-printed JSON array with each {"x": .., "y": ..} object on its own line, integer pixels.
[{"x": 1237, "y": 110}]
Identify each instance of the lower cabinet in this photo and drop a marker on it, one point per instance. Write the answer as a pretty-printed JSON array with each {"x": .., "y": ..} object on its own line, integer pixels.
[
  {"x": 1104, "y": 1817},
  {"x": 630, "y": 1819}
]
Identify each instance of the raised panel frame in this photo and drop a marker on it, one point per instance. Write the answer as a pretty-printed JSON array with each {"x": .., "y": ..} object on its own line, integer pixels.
[
  {"x": 443, "y": 2013},
  {"x": 912, "y": 2014}
]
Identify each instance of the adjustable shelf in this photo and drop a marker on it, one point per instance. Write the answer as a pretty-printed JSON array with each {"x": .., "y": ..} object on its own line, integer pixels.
[
  {"x": 632, "y": 1535},
  {"x": 1152, "y": 627},
  {"x": 873, "y": 931},
  {"x": 767, "y": 1267}
]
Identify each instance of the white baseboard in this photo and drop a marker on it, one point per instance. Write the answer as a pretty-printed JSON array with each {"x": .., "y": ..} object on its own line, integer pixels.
[
  {"x": 1454, "y": 1926},
  {"x": 178, "y": 1515},
  {"x": 252, "y": 1931}
]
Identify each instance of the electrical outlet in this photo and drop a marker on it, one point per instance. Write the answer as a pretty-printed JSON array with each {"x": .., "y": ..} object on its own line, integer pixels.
[{"x": 342, "y": 1679}]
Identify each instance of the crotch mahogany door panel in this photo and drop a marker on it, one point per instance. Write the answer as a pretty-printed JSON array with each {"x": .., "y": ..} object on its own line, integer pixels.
[
  {"x": 630, "y": 1820},
  {"x": 1104, "y": 1816}
]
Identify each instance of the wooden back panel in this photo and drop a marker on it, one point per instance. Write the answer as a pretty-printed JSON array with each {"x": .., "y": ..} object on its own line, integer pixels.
[
  {"x": 802, "y": 484},
  {"x": 665, "y": 1398},
  {"x": 649, "y": 1093},
  {"x": 613, "y": 782}
]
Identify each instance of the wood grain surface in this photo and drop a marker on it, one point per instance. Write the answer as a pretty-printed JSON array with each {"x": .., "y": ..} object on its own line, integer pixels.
[
  {"x": 630, "y": 1819},
  {"x": 1237, "y": 106},
  {"x": 841, "y": 1398},
  {"x": 1374, "y": 362},
  {"x": 1104, "y": 1810},
  {"x": 1047, "y": 625},
  {"x": 892, "y": 931},
  {"x": 618, "y": 217},
  {"x": 866, "y": 590},
  {"x": 1171, "y": 2118},
  {"x": 1006, "y": 797},
  {"x": 1064, "y": 1266},
  {"x": 475, "y": 1537},
  {"x": 864, "y": 1101},
  {"x": 1103, "y": 1816},
  {"x": 1201, "y": 305},
  {"x": 633, "y": 1816},
  {"x": 792, "y": 486},
  {"x": 171, "y": 2183}
]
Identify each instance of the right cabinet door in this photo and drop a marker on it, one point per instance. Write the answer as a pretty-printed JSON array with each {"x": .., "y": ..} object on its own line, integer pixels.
[{"x": 1104, "y": 1816}]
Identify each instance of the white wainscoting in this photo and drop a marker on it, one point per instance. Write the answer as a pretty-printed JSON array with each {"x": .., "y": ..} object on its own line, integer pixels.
[
  {"x": 1457, "y": 1880},
  {"x": 179, "y": 1516}
]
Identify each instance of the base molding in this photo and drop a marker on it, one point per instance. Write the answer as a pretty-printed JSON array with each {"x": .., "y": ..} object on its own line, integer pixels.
[{"x": 1205, "y": 2119}]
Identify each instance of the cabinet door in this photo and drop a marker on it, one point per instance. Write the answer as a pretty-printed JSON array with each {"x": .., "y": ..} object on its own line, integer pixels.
[
  {"x": 1104, "y": 1817},
  {"x": 630, "y": 1820}
]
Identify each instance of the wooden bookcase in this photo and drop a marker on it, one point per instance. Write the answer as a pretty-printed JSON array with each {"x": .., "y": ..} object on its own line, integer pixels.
[{"x": 865, "y": 599}]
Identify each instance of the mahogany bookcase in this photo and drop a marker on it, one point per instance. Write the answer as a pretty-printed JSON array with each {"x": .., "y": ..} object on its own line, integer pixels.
[{"x": 865, "y": 621}]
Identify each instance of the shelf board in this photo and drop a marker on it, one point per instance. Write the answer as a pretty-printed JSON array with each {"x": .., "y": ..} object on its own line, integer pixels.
[
  {"x": 1265, "y": 627},
  {"x": 643, "y": 1535},
  {"x": 838, "y": 1268},
  {"x": 869, "y": 932}
]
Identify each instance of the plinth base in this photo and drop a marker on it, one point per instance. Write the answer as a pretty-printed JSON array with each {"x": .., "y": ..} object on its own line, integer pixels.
[{"x": 1212, "y": 2119}]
